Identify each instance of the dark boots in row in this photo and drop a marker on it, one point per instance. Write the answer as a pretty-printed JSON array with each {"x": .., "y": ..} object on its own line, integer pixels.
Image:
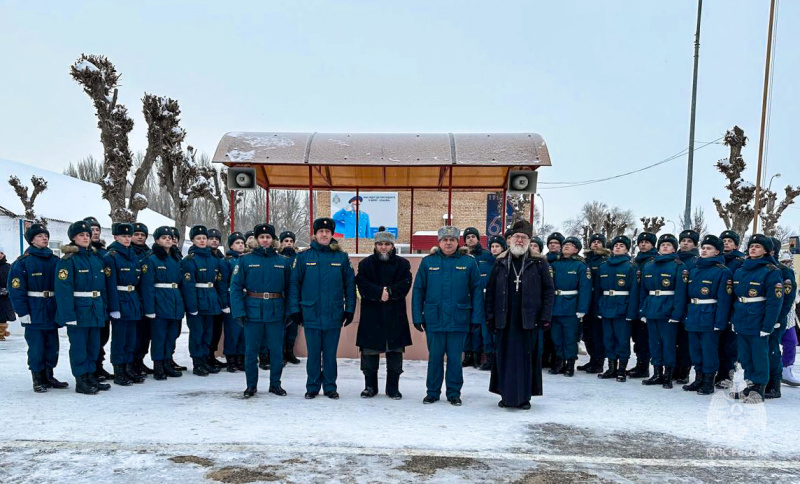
[
  {"x": 44, "y": 379},
  {"x": 394, "y": 367},
  {"x": 235, "y": 363}
]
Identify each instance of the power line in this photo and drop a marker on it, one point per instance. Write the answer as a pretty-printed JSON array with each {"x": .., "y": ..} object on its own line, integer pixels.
[{"x": 572, "y": 184}]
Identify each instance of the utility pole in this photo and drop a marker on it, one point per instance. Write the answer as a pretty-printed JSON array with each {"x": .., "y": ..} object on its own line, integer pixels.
[
  {"x": 764, "y": 101},
  {"x": 687, "y": 211}
]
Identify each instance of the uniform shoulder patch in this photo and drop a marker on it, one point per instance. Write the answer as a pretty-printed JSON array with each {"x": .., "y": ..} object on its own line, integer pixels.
[
  {"x": 187, "y": 276},
  {"x": 190, "y": 256},
  {"x": 112, "y": 252},
  {"x": 15, "y": 283},
  {"x": 107, "y": 271},
  {"x": 787, "y": 286},
  {"x": 588, "y": 273},
  {"x": 686, "y": 276},
  {"x": 729, "y": 286},
  {"x": 219, "y": 276},
  {"x": 236, "y": 269},
  {"x": 772, "y": 267},
  {"x": 720, "y": 265},
  {"x": 63, "y": 274},
  {"x": 144, "y": 268},
  {"x": 779, "y": 290}
]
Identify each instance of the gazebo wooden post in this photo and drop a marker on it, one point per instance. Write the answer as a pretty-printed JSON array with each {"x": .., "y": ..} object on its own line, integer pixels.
[
  {"x": 267, "y": 204},
  {"x": 450, "y": 196},
  {"x": 310, "y": 205},
  {"x": 232, "y": 204},
  {"x": 532, "y": 197},
  {"x": 503, "y": 210},
  {"x": 411, "y": 226},
  {"x": 358, "y": 211}
]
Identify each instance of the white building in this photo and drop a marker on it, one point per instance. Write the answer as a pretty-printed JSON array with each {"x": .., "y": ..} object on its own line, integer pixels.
[{"x": 66, "y": 200}]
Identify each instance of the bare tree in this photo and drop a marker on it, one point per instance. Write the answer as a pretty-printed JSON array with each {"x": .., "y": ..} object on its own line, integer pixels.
[
  {"x": 597, "y": 217},
  {"x": 653, "y": 224},
  {"x": 737, "y": 212},
  {"x": 39, "y": 185},
  {"x": 184, "y": 181},
  {"x": 87, "y": 169},
  {"x": 770, "y": 213},
  {"x": 698, "y": 221}
]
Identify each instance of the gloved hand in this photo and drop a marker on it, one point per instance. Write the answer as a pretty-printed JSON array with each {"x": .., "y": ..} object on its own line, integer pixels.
[
  {"x": 297, "y": 318},
  {"x": 777, "y": 325},
  {"x": 23, "y": 320},
  {"x": 717, "y": 329},
  {"x": 580, "y": 315},
  {"x": 420, "y": 327},
  {"x": 150, "y": 316},
  {"x": 226, "y": 310},
  {"x": 673, "y": 321},
  {"x": 763, "y": 334},
  {"x": 347, "y": 318},
  {"x": 240, "y": 322},
  {"x": 644, "y": 320},
  {"x": 115, "y": 314},
  {"x": 194, "y": 313},
  {"x": 70, "y": 323}
]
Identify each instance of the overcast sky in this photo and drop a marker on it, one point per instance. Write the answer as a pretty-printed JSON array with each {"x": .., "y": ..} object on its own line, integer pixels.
[{"x": 608, "y": 84}]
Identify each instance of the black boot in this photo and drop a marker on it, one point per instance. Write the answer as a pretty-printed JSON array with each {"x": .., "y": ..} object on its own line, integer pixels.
[
  {"x": 121, "y": 377},
  {"x": 393, "y": 385},
  {"x": 277, "y": 390},
  {"x": 469, "y": 359},
  {"x": 570, "y": 370},
  {"x": 657, "y": 378},
  {"x": 477, "y": 362},
  {"x": 158, "y": 371},
  {"x": 622, "y": 376},
  {"x": 558, "y": 365},
  {"x": 210, "y": 368},
  {"x": 668, "y": 372},
  {"x": 586, "y": 366},
  {"x": 51, "y": 380},
  {"x": 176, "y": 366},
  {"x": 199, "y": 367},
  {"x": 723, "y": 381},
  {"x": 288, "y": 355},
  {"x": 133, "y": 375},
  {"x": 103, "y": 387},
  {"x": 214, "y": 362},
  {"x": 82, "y": 385},
  {"x": 263, "y": 361},
  {"x": 170, "y": 370},
  {"x": 681, "y": 375},
  {"x": 596, "y": 366},
  {"x": 250, "y": 391},
  {"x": 641, "y": 370},
  {"x": 370, "y": 385},
  {"x": 611, "y": 372},
  {"x": 755, "y": 393},
  {"x": 487, "y": 365},
  {"x": 707, "y": 385},
  {"x": 142, "y": 368},
  {"x": 39, "y": 385},
  {"x": 232, "y": 366},
  {"x": 696, "y": 384},
  {"x": 101, "y": 374},
  {"x": 773, "y": 389}
]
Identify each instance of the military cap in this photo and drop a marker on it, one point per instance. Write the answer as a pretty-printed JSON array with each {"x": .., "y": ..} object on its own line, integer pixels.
[
  {"x": 121, "y": 229},
  {"x": 78, "y": 228},
  {"x": 324, "y": 223},
  {"x": 35, "y": 230}
]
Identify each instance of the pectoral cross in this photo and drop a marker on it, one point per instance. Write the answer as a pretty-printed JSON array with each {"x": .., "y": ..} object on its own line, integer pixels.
[{"x": 516, "y": 282}]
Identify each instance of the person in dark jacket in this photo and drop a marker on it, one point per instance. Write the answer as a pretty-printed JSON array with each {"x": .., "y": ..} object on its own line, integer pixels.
[
  {"x": 214, "y": 242},
  {"x": 688, "y": 254},
  {"x": 233, "y": 346},
  {"x": 205, "y": 294},
  {"x": 322, "y": 296},
  {"x": 475, "y": 343},
  {"x": 519, "y": 304},
  {"x": 734, "y": 259},
  {"x": 287, "y": 241},
  {"x": 383, "y": 281},
  {"x": 80, "y": 291},
  {"x": 773, "y": 388},
  {"x": 447, "y": 299},
  {"x": 6, "y": 309},
  {"x": 162, "y": 302},
  {"x": 175, "y": 253},
  {"x": 31, "y": 283},
  {"x": 640, "y": 334},
  {"x": 593, "y": 325},
  {"x": 99, "y": 246},
  {"x": 143, "y": 337}
]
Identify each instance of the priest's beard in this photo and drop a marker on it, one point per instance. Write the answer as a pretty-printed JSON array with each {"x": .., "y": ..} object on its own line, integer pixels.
[{"x": 518, "y": 250}]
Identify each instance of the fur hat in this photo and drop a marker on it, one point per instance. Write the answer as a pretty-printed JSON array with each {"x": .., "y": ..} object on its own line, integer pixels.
[
  {"x": 324, "y": 223},
  {"x": 761, "y": 240},
  {"x": 574, "y": 241},
  {"x": 383, "y": 235},
  {"x": 234, "y": 237},
  {"x": 623, "y": 239},
  {"x": 471, "y": 231},
  {"x": 538, "y": 241},
  {"x": 197, "y": 230},
  {"x": 730, "y": 234},
  {"x": 92, "y": 222},
  {"x": 557, "y": 237},
  {"x": 714, "y": 241},
  {"x": 690, "y": 234},
  {"x": 248, "y": 234},
  {"x": 668, "y": 238},
  {"x": 264, "y": 229},
  {"x": 448, "y": 231},
  {"x": 287, "y": 234},
  {"x": 645, "y": 237},
  {"x": 508, "y": 233},
  {"x": 497, "y": 239},
  {"x": 35, "y": 230},
  {"x": 600, "y": 237},
  {"x": 214, "y": 234},
  {"x": 121, "y": 229},
  {"x": 776, "y": 245},
  {"x": 162, "y": 231},
  {"x": 522, "y": 227},
  {"x": 79, "y": 227},
  {"x": 176, "y": 234},
  {"x": 140, "y": 227}
]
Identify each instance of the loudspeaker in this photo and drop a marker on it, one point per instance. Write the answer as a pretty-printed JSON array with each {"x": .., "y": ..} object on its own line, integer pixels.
[
  {"x": 522, "y": 181},
  {"x": 241, "y": 178}
]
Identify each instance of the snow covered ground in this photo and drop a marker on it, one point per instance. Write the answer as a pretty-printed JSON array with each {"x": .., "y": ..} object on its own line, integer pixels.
[{"x": 191, "y": 428}]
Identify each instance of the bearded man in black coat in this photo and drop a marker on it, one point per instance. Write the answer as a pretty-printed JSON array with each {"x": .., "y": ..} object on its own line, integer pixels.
[{"x": 383, "y": 280}]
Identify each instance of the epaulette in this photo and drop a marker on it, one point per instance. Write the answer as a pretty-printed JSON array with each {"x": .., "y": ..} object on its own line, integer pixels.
[
  {"x": 720, "y": 265},
  {"x": 24, "y": 255},
  {"x": 579, "y": 258},
  {"x": 112, "y": 252},
  {"x": 189, "y": 256},
  {"x": 739, "y": 258},
  {"x": 772, "y": 267},
  {"x": 66, "y": 256},
  {"x": 679, "y": 261}
]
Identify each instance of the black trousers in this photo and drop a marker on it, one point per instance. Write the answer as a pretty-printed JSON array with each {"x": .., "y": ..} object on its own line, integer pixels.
[
  {"x": 105, "y": 335},
  {"x": 142, "y": 338},
  {"x": 371, "y": 363}
]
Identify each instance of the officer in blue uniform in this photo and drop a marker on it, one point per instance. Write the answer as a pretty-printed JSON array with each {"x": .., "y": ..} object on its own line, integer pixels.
[
  {"x": 123, "y": 273},
  {"x": 30, "y": 289},
  {"x": 773, "y": 388},
  {"x": 80, "y": 289},
  {"x": 322, "y": 297},
  {"x": 99, "y": 247},
  {"x": 234, "y": 348},
  {"x": 710, "y": 299},
  {"x": 259, "y": 288},
  {"x": 662, "y": 305},
  {"x": 474, "y": 343},
  {"x": 536, "y": 244},
  {"x": 572, "y": 279},
  {"x": 758, "y": 289},
  {"x": 447, "y": 298},
  {"x": 214, "y": 242},
  {"x": 727, "y": 338},
  {"x": 617, "y": 305},
  {"x": 287, "y": 241},
  {"x": 140, "y": 248},
  {"x": 177, "y": 254},
  {"x": 162, "y": 302},
  {"x": 646, "y": 243},
  {"x": 688, "y": 254},
  {"x": 346, "y": 220},
  {"x": 554, "y": 242},
  {"x": 204, "y": 294},
  {"x": 497, "y": 244},
  {"x": 593, "y": 325}
]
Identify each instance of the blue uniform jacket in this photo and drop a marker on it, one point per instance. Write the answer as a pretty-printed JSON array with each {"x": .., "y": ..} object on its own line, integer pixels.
[
  {"x": 734, "y": 260},
  {"x": 571, "y": 274},
  {"x": 757, "y": 278},
  {"x": 709, "y": 279},
  {"x": 201, "y": 267},
  {"x": 162, "y": 268},
  {"x": 594, "y": 259},
  {"x": 689, "y": 257},
  {"x": 789, "y": 292},
  {"x": 34, "y": 271},
  {"x": 448, "y": 293},
  {"x": 262, "y": 270},
  {"x": 643, "y": 258},
  {"x": 141, "y": 251},
  {"x": 80, "y": 270},
  {"x": 618, "y": 273},
  {"x": 663, "y": 273},
  {"x": 122, "y": 268},
  {"x": 322, "y": 286},
  {"x": 485, "y": 261}
]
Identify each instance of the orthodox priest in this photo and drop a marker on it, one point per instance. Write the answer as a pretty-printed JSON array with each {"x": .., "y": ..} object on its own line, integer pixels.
[{"x": 519, "y": 303}]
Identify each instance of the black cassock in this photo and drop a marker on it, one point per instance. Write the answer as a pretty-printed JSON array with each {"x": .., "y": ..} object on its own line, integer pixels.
[{"x": 517, "y": 372}]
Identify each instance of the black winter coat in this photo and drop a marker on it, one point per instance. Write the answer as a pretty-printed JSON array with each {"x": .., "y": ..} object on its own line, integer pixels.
[
  {"x": 383, "y": 325},
  {"x": 537, "y": 289},
  {"x": 6, "y": 309}
]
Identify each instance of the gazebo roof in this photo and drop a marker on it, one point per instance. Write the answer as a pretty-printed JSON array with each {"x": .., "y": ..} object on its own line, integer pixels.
[{"x": 391, "y": 161}]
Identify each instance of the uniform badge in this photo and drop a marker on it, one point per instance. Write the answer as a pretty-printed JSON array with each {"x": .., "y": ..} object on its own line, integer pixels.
[
  {"x": 187, "y": 276},
  {"x": 144, "y": 268},
  {"x": 787, "y": 286},
  {"x": 62, "y": 274},
  {"x": 107, "y": 271},
  {"x": 685, "y": 276},
  {"x": 752, "y": 292},
  {"x": 588, "y": 273},
  {"x": 704, "y": 291},
  {"x": 294, "y": 262},
  {"x": 621, "y": 282},
  {"x": 665, "y": 282},
  {"x": 15, "y": 283},
  {"x": 219, "y": 276},
  {"x": 779, "y": 290},
  {"x": 729, "y": 287},
  {"x": 236, "y": 269}
]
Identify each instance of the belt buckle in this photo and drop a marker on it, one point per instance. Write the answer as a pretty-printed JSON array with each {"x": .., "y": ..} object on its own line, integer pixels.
[
  {"x": 741, "y": 299},
  {"x": 611, "y": 292},
  {"x": 47, "y": 293},
  {"x": 131, "y": 288},
  {"x": 657, "y": 292},
  {"x": 265, "y": 295},
  {"x": 174, "y": 285},
  {"x": 95, "y": 293}
]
